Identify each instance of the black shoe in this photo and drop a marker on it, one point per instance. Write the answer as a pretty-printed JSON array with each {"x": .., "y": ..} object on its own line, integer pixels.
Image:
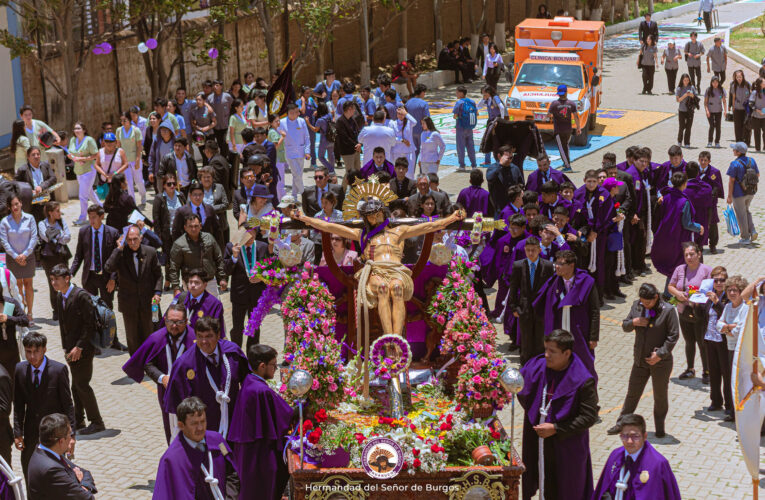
[
  {"x": 609, "y": 296},
  {"x": 730, "y": 417},
  {"x": 705, "y": 378},
  {"x": 660, "y": 434},
  {"x": 80, "y": 425},
  {"x": 689, "y": 373},
  {"x": 119, "y": 346},
  {"x": 621, "y": 294},
  {"x": 93, "y": 428},
  {"x": 614, "y": 430},
  {"x": 713, "y": 250},
  {"x": 714, "y": 408},
  {"x": 97, "y": 351}
]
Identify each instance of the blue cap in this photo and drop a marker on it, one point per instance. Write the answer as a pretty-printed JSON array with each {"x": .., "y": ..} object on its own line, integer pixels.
[
  {"x": 109, "y": 137},
  {"x": 562, "y": 90}
]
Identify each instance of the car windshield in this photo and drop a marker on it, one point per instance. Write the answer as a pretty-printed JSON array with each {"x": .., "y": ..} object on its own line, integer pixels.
[{"x": 550, "y": 75}]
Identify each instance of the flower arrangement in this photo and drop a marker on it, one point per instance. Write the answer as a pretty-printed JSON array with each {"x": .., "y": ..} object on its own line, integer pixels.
[
  {"x": 308, "y": 310},
  {"x": 272, "y": 272},
  {"x": 467, "y": 325},
  {"x": 385, "y": 366},
  {"x": 691, "y": 290},
  {"x": 478, "y": 384},
  {"x": 455, "y": 292}
]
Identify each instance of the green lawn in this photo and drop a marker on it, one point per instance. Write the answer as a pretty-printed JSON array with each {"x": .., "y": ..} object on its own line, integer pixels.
[{"x": 749, "y": 40}]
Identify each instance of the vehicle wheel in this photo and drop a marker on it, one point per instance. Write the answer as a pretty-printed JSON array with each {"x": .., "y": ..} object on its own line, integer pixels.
[
  {"x": 591, "y": 121},
  {"x": 582, "y": 139}
]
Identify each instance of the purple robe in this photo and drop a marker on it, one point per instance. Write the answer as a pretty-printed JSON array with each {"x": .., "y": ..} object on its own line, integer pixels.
[
  {"x": 661, "y": 481},
  {"x": 547, "y": 209},
  {"x": 6, "y": 490},
  {"x": 623, "y": 166},
  {"x": 535, "y": 180},
  {"x": 550, "y": 303},
  {"x": 699, "y": 193},
  {"x": 643, "y": 200},
  {"x": 474, "y": 199},
  {"x": 189, "y": 378},
  {"x": 714, "y": 179},
  {"x": 153, "y": 350},
  {"x": 663, "y": 174},
  {"x": 179, "y": 475},
  {"x": 259, "y": 428},
  {"x": 571, "y": 454},
  {"x": 603, "y": 212},
  {"x": 667, "y": 252},
  {"x": 370, "y": 169},
  {"x": 208, "y": 305}
]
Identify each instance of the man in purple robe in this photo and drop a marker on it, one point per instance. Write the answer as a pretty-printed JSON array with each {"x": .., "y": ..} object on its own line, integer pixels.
[
  {"x": 543, "y": 174},
  {"x": 663, "y": 175},
  {"x": 569, "y": 300},
  {"x": 561, "y": 402},
  {"x": 595, "y": 212},
  {"x": 378, "y": 163},
  {"x": 625, "y": 165},
  {"x": 198, "y": 461},
  {"x": 676, "y": 226},
  {"x": 497, "y": 268},
  {"x": 199, "y": 302},
  {"x": 699, "y": 193},
  {"x": 474, "y": 198},
  {"x": 636, "y": 468},
  {"x": 641, "y": 222},
  {"x": 157, "y": 355},
  {"x": 213, "y": 371},
  {"x": 551, "y": 240},
  {"x": 259, "y": 429},
  {"x": 711, "y": 176},
  {"x": 550, "y": 199}
]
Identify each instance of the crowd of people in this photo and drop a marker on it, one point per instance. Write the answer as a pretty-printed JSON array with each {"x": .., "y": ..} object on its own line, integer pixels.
[{"x": 222, "y": 156}]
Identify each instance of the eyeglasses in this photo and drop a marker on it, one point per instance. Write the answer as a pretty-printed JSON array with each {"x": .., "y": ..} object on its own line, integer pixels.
[
  {"x": 175, "y": 323},
  {"x": 721, "y": 280},
  {"x": 634, "y": 436},
  {"x": 337, "y": 239},
  {"x": 171, "y": 184}
]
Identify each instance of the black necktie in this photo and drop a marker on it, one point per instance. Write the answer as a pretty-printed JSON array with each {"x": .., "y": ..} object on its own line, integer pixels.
[
  {"x": 96, "y": 252},
  {"x": 249, "y": 254},
  {"x": 214, "y": 359},
  {"x": 628, "y": 462},
  {"x": 199, "y": 213},
  {"x": 37, "y": 377}
]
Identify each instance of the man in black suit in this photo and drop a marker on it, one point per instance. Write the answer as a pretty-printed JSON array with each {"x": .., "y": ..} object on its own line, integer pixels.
[
  {"x": 76, "y": 321},
  {"x": 181, "y": 163},
  {"x": 221, "y": 166},
  {"x": 206, "y": 213},
  {"x": 527, "y": 277},
  {"x": 215, "y": 195},
  {"x": 648, "y": 27},
  {"x": 51, "y": 474},
  {"x": 423, "y": 188},
  {"x": 501, "y": 176},
  {"x": 39, "y": 175},
  {"x": 6, "y": 399},
  {"x": 247, "y": 179},
  {"x": 401, "y": 185},
  {"x": 41, "y": 388},
  {"x": 312, "y": 195},
  {"x": 245, "y": 291},
  {"x": 95, "y": 244},
  {"x": 140, "y": 284}
]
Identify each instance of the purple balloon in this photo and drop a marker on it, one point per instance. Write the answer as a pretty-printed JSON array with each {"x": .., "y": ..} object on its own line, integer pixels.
[
  {"x": 151, "y": 43},
  {"x": 213, "y": 53},
  {"x": 106, "y": 47},
  {"x": 97, "y": 50}
]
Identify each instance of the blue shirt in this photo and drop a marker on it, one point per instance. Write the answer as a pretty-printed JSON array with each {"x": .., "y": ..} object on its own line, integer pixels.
[
  {"x": 185, "y": 110},
  {"x": 419, "y": 109},
  {"x": 19, "y": 238},
  {"x": 37, "y": 176},
  {"x": 369, "y": 109},
  {"x": 199, "y": 210},
  {"x": 322, "y": 87},
  {"x": 737, "y": 169},
  {"x": 687, "y": 220}
]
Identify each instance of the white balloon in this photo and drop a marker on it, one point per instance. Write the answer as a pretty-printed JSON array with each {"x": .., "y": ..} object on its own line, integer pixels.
[{"x": 142, "y": 48}]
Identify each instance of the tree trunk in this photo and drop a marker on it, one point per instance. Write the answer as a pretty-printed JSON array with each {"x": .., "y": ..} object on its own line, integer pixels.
[
  {"x": 612, "y": 11},
  {"x": 438, "y": 32},
  {"x": 529, "y": 9},
  {"x": 364, "y": 70},
  {"x": 499, "y": 25},
  {"x": 264, "y": 16},
  {"x": 650, "y": 6},
  {"x": 403, "y": 41},
  {"x": 637, "y": 8}
]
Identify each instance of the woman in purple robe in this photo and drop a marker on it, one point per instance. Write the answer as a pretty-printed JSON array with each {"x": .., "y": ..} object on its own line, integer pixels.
[
  {"x": 711, "y": 176},
  {"x": 663, "y": 174},
  {"x": 259, "y": 429},
  {"x": 561, "y": 403},
  {"x": 676, "y": 226},
  {"x": 595, "y": 211},
  {"x": 636, "y": 468}
]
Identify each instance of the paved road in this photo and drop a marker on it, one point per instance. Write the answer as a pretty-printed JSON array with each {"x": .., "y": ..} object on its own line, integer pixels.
[{"x": 702, "y": 449}]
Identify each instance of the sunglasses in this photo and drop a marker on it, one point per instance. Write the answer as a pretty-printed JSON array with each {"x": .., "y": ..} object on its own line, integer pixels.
[
  {"x": 337, "y": 239},
  {"x": 721, "y": 280},
  {"x": 171, "y": 184},
  {"x": 318, "y": 177}
]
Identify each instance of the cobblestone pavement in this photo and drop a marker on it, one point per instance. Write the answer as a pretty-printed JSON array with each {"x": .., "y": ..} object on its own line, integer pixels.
[{"x": 701, "y": 448}]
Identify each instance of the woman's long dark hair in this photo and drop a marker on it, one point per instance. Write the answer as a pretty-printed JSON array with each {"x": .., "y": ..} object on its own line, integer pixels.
[
  {"x": 421, "y": 207},
  {"x": 115, "y": 189},
  {"x": 16, "y": 132},
  {"x": 734, "y": 84},
  {"x": 684, "y": 76}
]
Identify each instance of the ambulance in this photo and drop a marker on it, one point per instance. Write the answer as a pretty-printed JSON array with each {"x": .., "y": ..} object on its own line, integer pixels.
[{"x": 551, "y": 52}]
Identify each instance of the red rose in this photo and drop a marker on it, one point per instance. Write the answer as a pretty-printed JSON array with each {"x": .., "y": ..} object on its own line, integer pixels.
[
  {"x": 404, "y": 466},
  {"x": 416, "y": 462},
  {"x": 449, "y": 419},
  {"x": 446, "y": 426},
  {"x": 321, "y": 415},
  {"x": 458, "y": 407},
  {"x": 314, "y": 436},
  {"x": 435, "y": 448},
  {"x": 413, "y": 427},
  {"x": 307, "y": 426},
  {"x": 385, "y": 420},
  {"x": 415, "y": 452},
  {"x": 359, "y": 437},
  {"x": 617, "y": 205},
  {"x": 495, "y": 434}
]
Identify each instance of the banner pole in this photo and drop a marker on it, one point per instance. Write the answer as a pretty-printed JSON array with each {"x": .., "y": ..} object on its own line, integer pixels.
[{"x": 756, "y": 488}]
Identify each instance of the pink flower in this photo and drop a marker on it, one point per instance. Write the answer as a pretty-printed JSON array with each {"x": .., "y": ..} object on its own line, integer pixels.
[
  {"x": 477, "y": 395},
  {"x": 493, "y": 374},
  {"x": 460, "y": 348},
  {"x": 303, "y": 293},
  {"x": 332, "y": 387},
  {"x": 315, "y": 385},
  {"x": 477, "y": 379},
  {"x": 441, "y": 320}
]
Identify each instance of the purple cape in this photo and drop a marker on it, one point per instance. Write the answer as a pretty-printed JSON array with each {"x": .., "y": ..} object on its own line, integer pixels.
[
  {"x": 549, "y": 303},
  {"x": 6, "y": 490},
  {"x": 663, "y": 173},
  {"x": 714, "y": 179},
  {"x": 535, "y": 181},
  {"x": 667, "y": 253},
  {"x": 572, "y": 453},
  {"x": 699, "y": 193},
  {"x": 601, "y": 222},
  {"x": 623, "y": 166},
  {"x": 370, "y": 169},
  {"x": 501, "y": 263},
  {"x": 189, "y": 378},
  {"x": 508, "y": 212},
  {"x": 179, "y": 475},
  {"x": 547, "y": 209},
  {"x": 259, "y": 427},
  {"x": 153, "y": 349},
  {"x": 642, "y": 200},
  {"x": 208, "y": 306},
  {"x": 474, "y": 199},
  {"x": 661, "y": 481}
]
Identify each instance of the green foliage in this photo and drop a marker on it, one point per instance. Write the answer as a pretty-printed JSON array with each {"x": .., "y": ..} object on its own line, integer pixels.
[
  {"x": 460, "y": 444},
  {"x": 17, "y": 45}
]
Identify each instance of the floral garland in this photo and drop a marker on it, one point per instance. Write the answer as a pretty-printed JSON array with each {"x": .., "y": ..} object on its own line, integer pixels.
[
  {"x": 269, "y": 298},
  {"x": 272, "y": 272},
  {"x": 386, "y": 367}
]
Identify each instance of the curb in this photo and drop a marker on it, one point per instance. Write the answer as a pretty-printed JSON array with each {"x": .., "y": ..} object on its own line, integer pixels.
[{"x": 658, "y": 16}]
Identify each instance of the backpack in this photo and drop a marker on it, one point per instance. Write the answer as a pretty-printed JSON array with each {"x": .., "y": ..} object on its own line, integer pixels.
[
  {"x": 106, "y": 323},
  {"x": 750, "y": 179},
  {"x": 468, "y": 117},
  {"x": 331, "y": 134}
]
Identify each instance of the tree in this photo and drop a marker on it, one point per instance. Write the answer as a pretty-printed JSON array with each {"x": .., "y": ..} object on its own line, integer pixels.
[
  {"x": 264, "y": 9},
  {"x": 499, "y": 25},
  {"x": 52, "y": 22},
  {"x": 479, "y": 26}
]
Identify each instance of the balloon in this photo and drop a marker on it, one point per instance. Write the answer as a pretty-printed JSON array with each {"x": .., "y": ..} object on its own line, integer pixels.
[
  {"x": 151, "y": 43},
  {"x": 97, "y": 50},
  {"x": 142, "y": 48},
  {"x": 213, "y": 53},
  {"x": 106, "y": 47}
]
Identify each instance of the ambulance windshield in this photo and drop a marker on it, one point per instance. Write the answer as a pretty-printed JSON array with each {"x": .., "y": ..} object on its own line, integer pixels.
[{"x": 550, "y": 75}]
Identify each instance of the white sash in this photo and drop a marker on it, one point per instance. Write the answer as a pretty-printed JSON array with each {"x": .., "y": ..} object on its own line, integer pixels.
[
  {"x": 210, "y": 478},
  {"x": 593, "y": 266},
  {"x": 543, "y": 410},
  {"x": 222, "y": 396},
  {"x": 649, "y": 231},
  {"x": 565, "y": 322},
  {"x": 171, "y": 416},
  {"x": 620, "y": 268},
  {"x": 622, "y": 484}
]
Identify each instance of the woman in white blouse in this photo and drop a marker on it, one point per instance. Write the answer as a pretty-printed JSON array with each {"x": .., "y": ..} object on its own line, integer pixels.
[
  {"x": 733, "y": 317},
  {"x": 492, "y": 66},
  {"x": 432, "y": 147},
  {"x": 18, "y": 234}
]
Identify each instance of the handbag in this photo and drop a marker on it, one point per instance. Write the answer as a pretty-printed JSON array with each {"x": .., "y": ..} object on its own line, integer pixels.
[
  {"x": 102, "y": 190},
  {"x": 728, "y": 117},
  {"x": 730, "y": 221},
  {"x": 689, "y": 313}
]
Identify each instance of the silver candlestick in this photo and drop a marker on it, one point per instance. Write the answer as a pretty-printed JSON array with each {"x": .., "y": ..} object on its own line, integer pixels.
[
  {"x": 512, "y": 381},
  {"x": 299, "y": 384}
]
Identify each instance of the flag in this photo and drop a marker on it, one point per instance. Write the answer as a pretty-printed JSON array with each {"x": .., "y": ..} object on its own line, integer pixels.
[
  {"x": 281, "y": 92},
  {"x": 749, "y": 404}
]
